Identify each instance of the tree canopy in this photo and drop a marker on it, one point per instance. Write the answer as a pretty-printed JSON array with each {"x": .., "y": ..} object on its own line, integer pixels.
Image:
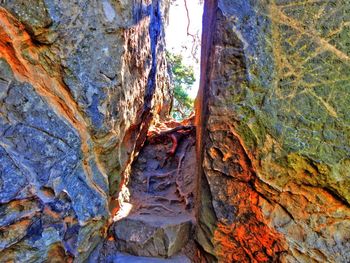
[{"x": 182, "y": 78}]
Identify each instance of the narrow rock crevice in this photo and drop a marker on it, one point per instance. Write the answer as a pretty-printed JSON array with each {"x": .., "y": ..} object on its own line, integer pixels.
[
  {"x": 91, "y": 169},
  {"x": 157, "y": 218}
]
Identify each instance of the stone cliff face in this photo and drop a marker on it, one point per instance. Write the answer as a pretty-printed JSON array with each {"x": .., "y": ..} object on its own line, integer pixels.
[
  {"x": 274, "y": 131},
  {"x": 80, "y": 82}
]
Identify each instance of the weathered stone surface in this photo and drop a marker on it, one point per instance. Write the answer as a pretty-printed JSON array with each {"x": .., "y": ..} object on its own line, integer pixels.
[
  {"x": 157, "y": 220},
  {"x": 80, "y": 82},
  {"x": 152, "y": 236},
  {"x": 274, "y": 131},
  {"x": 35, "y": 17}
]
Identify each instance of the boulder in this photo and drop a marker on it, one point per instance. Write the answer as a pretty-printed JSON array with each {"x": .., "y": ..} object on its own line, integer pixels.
[
  {"x": 152, "y": 236},
  {"x": 273, "y": 131}
]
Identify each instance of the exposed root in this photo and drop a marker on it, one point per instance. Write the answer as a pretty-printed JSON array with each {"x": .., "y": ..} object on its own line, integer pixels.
[
  {"x": 175, "y": 135},
  {"x": 162, "y": 198},
  {"x": 161, "y": 134},
  {"x": 161, "y": 186},
  {"x": 150, "y": 175},
  {"x": 164, "y": 190},
  {"x": 183, "y": 196},
  {"x": 175, "y": 143},
  {"x": 157, "y": 205}
]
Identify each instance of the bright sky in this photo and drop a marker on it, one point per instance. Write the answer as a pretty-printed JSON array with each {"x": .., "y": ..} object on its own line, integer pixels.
[{"x": 179, "y": 42}]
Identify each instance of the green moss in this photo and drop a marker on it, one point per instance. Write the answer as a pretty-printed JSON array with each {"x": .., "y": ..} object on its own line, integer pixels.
[
  {"x": 114, "y": 180},
  {"x": 296, "y": 93}
]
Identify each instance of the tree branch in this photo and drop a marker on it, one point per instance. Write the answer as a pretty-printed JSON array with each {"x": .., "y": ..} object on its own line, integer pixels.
[{"x": 194, "y": 37}]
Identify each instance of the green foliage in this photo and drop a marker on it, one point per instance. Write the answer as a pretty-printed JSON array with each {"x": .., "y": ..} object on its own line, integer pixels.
[{"x": 182, "y": 77}]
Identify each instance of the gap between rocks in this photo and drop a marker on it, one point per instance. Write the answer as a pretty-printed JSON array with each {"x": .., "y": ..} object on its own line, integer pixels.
[{"x": 157, "y": 217}]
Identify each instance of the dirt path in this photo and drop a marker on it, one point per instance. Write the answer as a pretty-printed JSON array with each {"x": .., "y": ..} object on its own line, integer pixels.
[{"x": 157, "y": 220}]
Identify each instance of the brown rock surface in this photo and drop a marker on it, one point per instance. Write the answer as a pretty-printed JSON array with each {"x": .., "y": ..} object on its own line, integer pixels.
[
  {"x": 273, "y": 132},
  {"x": 157, "y": 216},
  {"x": 80, "y": 82}
]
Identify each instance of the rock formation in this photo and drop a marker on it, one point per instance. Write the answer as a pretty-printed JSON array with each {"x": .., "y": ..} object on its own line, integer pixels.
[
  {"x": 80, "y": 82},
  {"x": 264, "y": 176},
  {"x": 157, "y": 218},
  {"x": 274, "y": 131}
]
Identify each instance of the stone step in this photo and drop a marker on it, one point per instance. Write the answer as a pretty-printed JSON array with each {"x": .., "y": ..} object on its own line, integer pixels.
[
  {"x": 152, "y": 236},
  {"x": 126, "y": 258}
]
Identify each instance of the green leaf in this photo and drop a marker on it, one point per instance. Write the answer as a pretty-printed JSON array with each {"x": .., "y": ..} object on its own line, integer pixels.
[{"x": 182, "y": 77}]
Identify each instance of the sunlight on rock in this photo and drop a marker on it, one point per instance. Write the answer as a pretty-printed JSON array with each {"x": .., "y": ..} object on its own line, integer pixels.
[
  {"x": 124, "y": 211},
  {"x": 105, "y": 158}
]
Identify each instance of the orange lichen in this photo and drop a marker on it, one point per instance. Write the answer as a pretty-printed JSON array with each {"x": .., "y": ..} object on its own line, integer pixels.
[{"x": 248, "y": 237}]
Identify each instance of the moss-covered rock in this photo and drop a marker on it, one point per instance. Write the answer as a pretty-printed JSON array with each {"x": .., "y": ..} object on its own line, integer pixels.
[{"x": 278, "y": 84}]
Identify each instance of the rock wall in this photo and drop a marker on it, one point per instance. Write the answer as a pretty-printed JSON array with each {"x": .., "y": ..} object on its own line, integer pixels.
[
  {"x": 80, "y": 82},
  {"x": 274, "y": 138}
]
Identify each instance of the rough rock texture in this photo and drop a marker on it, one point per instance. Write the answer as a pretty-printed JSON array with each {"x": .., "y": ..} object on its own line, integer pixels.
[
  {"x": 157, "y": 217},
  {"x": 152, "y": 236},
  {"x": 274, "y": 136},
  {"x": 80, "y": 82}
]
